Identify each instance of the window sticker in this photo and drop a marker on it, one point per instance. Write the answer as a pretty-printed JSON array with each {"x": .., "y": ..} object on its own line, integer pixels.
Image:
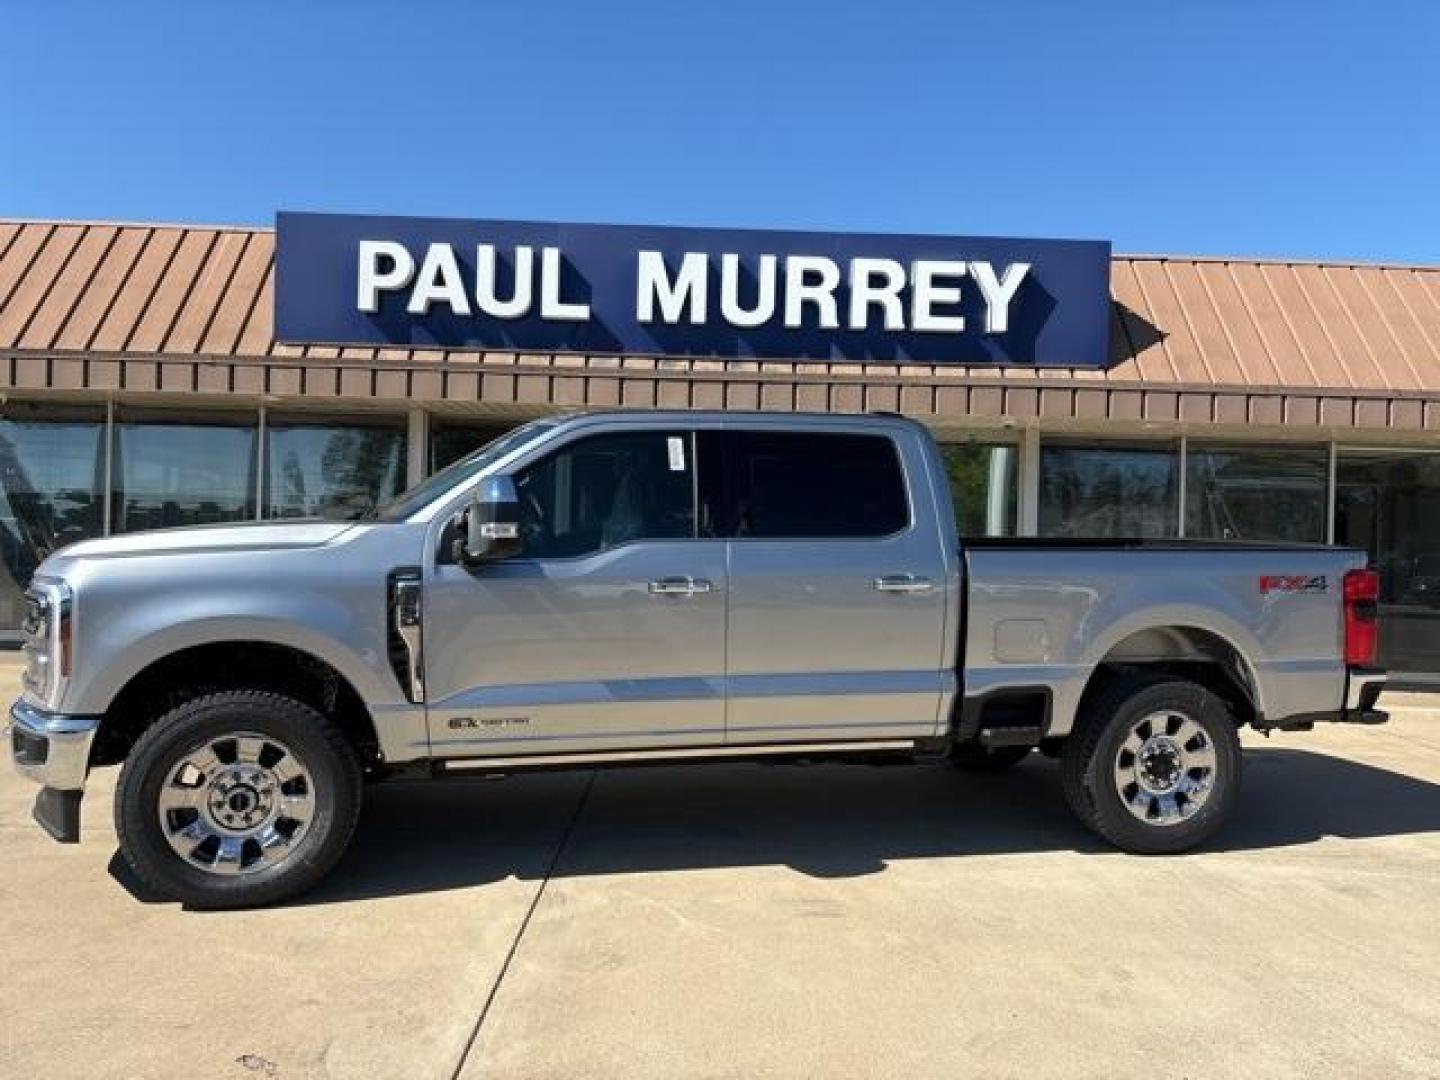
[{"x": 676, "y": 446}]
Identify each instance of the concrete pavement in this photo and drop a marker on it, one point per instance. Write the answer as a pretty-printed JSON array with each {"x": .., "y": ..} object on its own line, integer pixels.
[{"x": 735, "y": 920}]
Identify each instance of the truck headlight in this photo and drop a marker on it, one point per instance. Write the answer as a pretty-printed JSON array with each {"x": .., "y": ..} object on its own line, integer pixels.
[{"x": 49, "y": 644}]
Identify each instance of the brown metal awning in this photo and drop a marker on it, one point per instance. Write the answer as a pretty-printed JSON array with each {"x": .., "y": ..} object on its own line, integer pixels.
[{"x": 152, "y": 310}]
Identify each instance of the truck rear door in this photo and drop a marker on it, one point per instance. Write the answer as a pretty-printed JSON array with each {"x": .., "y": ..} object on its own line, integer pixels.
[{"x": 837, "y": 582}]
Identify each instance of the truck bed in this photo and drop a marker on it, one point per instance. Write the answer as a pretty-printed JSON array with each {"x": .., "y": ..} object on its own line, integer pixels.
[
  {"x": 1044, "y": 612},
  {"x": 1145, "y": 543}
]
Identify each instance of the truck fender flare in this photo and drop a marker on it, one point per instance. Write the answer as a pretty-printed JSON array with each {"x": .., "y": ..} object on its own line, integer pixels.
[
  {"x": 1233, "y": 634},
  {"x": 140, "y": 655}
]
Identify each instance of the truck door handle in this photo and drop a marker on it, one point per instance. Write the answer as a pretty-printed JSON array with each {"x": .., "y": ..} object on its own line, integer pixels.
[
  {"x": 903, "y": 583},
  {"x": 679, "y": 586}
]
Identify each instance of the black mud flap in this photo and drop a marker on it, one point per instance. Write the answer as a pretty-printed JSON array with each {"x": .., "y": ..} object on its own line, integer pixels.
[
  {"x": 1367, "y": 716},
  {"x": 58, "y": 813}
]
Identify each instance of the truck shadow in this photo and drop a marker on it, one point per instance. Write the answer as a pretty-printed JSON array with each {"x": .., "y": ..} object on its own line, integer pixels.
[{"x": 827, "y": 821}]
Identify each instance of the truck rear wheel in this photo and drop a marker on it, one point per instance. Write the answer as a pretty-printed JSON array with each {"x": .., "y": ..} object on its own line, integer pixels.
[
  {"x": 237, "y": 799},
  {"x": 1153, "y": 765}
]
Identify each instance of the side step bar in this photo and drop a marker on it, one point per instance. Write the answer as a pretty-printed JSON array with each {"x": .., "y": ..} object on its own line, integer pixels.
[
  {"x": 678, "y": 753},
  {"x": 1029, "y": 735}
]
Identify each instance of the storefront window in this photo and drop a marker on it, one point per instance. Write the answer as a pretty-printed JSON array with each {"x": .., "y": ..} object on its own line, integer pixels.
[
  {"x": 51, "y": 494},
  {"x": 449, "y": 444},
  {"x": 1256, "y": 493},
  {"x": 1109, "y": 490},
  {"x": 331, "y": 470},
  {"x": 983, "y": 486},
  {"x": 1388, "y": 502},
  {"x": 185, "y": 470}
]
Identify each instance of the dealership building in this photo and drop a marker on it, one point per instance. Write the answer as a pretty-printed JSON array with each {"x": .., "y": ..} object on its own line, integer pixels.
[{"x": 145, "y": 385}]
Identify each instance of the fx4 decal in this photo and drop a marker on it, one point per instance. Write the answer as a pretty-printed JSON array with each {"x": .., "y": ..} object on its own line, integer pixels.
[{"x": 1270, "y": 583}]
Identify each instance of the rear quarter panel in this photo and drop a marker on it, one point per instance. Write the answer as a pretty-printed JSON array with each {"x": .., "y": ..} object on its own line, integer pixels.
[{"x": 1047, "y": 616}]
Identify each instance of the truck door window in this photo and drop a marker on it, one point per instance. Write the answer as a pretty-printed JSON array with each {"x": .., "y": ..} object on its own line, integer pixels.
[
  {"x": 799, "y": 485},
  {"x": 606, "y": 490}
]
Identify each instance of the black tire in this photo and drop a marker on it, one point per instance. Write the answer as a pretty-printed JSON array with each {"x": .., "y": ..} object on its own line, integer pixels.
[
  {"x": 332, "y": 775},
  {"x": 1092, "y": 755},
  {"x": 972, "y": 757}
]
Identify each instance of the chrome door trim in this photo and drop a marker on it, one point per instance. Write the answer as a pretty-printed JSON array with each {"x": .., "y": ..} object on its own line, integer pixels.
[
  {"x": 680, "y": 586},
  {"x": 678, "y": 754},
  {"x": 903, "y": 583}
]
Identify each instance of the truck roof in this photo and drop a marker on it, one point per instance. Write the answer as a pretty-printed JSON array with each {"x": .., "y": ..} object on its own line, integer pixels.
[{"x": 709, "y": 416}]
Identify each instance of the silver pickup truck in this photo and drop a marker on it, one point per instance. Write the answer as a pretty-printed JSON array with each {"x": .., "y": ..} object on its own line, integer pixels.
[{"x": 614, "y": 588}]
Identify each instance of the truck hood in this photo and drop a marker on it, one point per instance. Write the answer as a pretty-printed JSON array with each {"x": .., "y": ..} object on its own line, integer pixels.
[{"x": 245, "y": 536}]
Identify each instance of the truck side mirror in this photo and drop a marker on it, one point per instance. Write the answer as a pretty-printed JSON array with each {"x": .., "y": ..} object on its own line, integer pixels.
[{"x": 489, "y": 528}]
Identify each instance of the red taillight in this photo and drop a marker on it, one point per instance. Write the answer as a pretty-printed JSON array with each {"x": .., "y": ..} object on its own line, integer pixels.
[{"x": 1362, "y": 630}]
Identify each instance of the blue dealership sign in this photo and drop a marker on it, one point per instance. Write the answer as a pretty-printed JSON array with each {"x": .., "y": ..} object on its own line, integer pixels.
[{"x": 739, "y": 293}]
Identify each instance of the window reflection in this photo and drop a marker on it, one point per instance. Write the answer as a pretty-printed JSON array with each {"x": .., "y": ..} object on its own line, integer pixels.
[
  {"x": 449, "y": 444},
  {"x": 51, "y": 494},
  {"x": 1109, "y": 490},
  {"x": 168, "y": 474},
  {"x": 1256, "y": 493},
  {"x": 331, "y": 471},
  {"x": 982, "y": 484}
]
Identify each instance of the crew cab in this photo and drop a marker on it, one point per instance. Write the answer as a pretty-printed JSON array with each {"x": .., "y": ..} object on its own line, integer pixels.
[{"x": 602, "y": 589}]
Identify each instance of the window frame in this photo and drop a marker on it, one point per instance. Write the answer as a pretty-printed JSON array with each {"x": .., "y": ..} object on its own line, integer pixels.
[
  {"x": 276, "y": 421},
  {"x": 1015, "y": 496},
  {"x": 1199, "y": 445},
  {"x": 96, "y": 418},
  {"x": 549, "y": 451},
  {"x": 1173, "y": 445},
  {"x": 124, "y": 414},
  {"x": 907, "y": 484}
]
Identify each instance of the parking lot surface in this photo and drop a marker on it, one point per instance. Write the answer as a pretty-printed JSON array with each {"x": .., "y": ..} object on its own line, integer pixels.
[{"x": 754, "y": 921}]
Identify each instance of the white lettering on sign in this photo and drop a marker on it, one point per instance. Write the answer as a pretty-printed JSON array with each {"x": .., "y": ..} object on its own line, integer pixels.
[
  {"x": 486, "y": 299},
  {"x": 385, "y": 266},
  {"x": 806, "y": 293},
  {"x": 730, "y": 308},
  {"x": 819, "y": 290},
  {"x": 876, "y": 282},
  {"x": 998, "y": 292},
  {"x": 927, "y": 290},
  {"x": 654, "y": 286},
  {"x": 438, "y": 279},
  {"x": 551, "y": 306}
]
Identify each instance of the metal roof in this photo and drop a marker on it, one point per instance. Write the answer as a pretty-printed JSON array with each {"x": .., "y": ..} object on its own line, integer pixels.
[{"x": 165, "y": 307}]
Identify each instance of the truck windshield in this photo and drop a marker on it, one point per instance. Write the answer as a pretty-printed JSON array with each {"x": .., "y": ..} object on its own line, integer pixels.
[{"x": 473, "y": 463}]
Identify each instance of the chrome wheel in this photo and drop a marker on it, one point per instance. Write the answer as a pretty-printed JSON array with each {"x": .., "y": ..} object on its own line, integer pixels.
[
  {"x": 1165, "y": 768},
  {"x": 236, "y": 804}
]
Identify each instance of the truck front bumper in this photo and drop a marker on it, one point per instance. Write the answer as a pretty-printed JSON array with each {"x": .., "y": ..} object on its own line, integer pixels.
[{"x": 53, "y": 749}]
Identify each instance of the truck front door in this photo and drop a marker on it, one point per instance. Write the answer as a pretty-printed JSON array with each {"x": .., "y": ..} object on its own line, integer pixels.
[{"x": 607, "y": 632}]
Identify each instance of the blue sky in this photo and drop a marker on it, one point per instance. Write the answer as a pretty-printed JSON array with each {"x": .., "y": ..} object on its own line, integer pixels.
[{"x": 1248, "y": 127}]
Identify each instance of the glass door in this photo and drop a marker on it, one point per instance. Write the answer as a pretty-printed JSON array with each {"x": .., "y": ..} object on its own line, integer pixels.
[
  {"x": 51, "y": 494},
  {"x": 1388, "y": 502}
]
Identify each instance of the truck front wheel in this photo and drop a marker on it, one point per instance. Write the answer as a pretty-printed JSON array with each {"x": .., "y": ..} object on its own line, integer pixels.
[
  {"x": 237, "y": 799},
  {"x": 1153, "y": 765}
]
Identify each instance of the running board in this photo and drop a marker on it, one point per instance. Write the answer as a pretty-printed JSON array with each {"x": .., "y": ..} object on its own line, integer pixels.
[
  {"x": 995, "y": 737},
  {"x": 679, "y": 753}
]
